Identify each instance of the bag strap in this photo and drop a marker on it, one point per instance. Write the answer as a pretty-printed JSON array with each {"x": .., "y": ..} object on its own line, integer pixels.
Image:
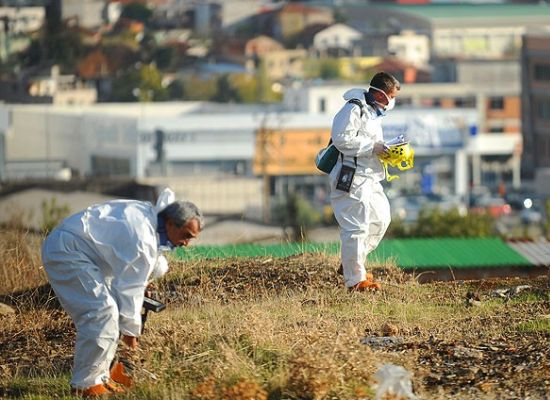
[
  {"x": 358, "y": 102},
  {"x": 354, "y": 159}
]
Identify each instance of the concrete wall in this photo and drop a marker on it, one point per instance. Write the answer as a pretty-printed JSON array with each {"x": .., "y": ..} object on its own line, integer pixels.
[
  {"x": 217, "y": 195},
  {"x": 88, "y": 12},
  {"x": 44, "y": 133},
  {"x": 542, "y": 181}
]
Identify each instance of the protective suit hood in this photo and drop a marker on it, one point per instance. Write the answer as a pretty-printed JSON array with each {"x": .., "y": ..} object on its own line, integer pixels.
[
  {"x": 355, "y": 93},
  {"x": 166, "y": 197}
]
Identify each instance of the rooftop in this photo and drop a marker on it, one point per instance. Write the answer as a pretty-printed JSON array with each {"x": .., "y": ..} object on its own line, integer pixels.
[
  {"x": 395, "y": 17},
  {"x": 453, "y": 11}
]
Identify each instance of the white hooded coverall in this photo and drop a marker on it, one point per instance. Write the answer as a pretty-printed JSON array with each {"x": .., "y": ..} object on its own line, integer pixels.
[
  {"x": 98, "y": 262},
  {"x": 364, "y": 213}
]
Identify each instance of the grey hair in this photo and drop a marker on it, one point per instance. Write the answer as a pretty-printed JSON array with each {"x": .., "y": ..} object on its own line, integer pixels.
[{"x": 181, "y": 212}]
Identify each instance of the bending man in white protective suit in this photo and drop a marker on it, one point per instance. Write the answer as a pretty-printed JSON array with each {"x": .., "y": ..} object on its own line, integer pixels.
[
  {"x": 99, "y": 262},
  {"x": 357, "y": 197}
]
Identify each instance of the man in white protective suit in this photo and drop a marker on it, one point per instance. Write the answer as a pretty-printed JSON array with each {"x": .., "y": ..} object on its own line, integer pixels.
[
  {"x": 99, "y": 263},
  {"x": 357, "y": 197}
]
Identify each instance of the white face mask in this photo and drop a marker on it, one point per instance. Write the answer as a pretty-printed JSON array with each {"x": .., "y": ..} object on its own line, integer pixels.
[{"x": 391, "y": 102}]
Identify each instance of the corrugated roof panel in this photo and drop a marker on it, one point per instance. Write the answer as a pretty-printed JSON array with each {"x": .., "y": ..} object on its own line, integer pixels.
[
  {"x": 407, "y": 253},
  {"x": 444, "y": 253},
  {"x": 538, "y": 252}
]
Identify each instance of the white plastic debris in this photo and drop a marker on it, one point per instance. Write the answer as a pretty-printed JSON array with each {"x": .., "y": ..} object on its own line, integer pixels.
[
  {"x": 394, "y": 380},
  {"x": 510, "y": 292}
]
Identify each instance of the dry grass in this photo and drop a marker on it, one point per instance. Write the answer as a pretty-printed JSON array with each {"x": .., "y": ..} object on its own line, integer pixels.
[
  {"x": 21, "y": 266},
  {"x": 285, "y": 329}
]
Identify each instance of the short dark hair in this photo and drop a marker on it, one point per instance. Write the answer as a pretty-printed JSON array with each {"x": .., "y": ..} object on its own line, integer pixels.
[{"x": 385, "y": 82}]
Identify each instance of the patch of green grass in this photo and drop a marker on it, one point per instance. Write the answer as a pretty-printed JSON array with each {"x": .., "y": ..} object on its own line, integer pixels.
[
  {"x": 39, "y": 388},
  {"x": 536, "y": 325},
  {"x": 531, "y": 297}
]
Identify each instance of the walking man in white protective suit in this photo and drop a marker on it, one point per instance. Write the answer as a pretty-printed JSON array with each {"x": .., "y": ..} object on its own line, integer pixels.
[
  {"x": 99, "y": 263},
  {"x": 357, "y": 197}
]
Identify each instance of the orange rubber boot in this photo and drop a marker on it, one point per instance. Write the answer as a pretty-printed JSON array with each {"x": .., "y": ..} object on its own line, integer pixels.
[
  {"x": 98, "y": 390},
  {"x": 369, "y": 284},
  {"x": 120, "y": 375}
]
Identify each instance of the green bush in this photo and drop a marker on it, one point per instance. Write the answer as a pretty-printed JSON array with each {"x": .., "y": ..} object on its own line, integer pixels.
[
  {"x": 547, "y": 220},
  {"x": 298, "y": 215},
  {"x": 52, "y": 214},
  {"x": 437, "y": 223}
]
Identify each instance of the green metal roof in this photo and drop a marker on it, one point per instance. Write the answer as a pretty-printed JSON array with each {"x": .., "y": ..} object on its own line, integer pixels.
[
  {"x": 444, "y": 253},
  {"x": 255, "y": 250},
  {"x": 436, "y": 11},
  {"x": 407, "y": 253}
]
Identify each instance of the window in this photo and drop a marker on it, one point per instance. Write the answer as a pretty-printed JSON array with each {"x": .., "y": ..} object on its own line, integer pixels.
[
  {"x": 543, "y": 109},
  {"x": 403, "y": 101},
  {"x": 465, "y": 102},
  {"x": 322, "y": 105},
  {"x": 496, "y": 129},
  {"x": 496, "y": 103},
  {"x": 542, "y": 72},
  {"x": 110, "y": 166}
]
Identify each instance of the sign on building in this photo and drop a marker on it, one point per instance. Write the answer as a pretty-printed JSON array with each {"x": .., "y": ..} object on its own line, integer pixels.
[{"x": 288, "y": 151}]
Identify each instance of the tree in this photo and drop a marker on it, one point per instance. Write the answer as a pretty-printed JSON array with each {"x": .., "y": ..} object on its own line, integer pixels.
[
  {"x": 176, "y": 90},
  {"x": 165, "y": 57},
  {"x": 34, "y": 54},
  {"x": 437, "y": 223},
  {"x": 329, "y": 69},
  {"x": 225, "y": 92},
  {"x": 247, "y": 87},
  {"x": 339, "y": 16},
  {"x": 143, "y": 83},
  {"x": 52, "y": 214},
  {"x": 298, "y": 215},
  {"x": 137, "y": 12},
  {"x": 199, "y": 89},
  {"x": 324, "y": 68},
  {"x": 63, "y": 48}
]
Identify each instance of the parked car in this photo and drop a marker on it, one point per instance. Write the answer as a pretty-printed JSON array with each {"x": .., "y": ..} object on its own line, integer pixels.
[
  {"x": 407, "y": 208},
  {"x": 494, "y": 206},
  {"x": 520, "y": 200}
]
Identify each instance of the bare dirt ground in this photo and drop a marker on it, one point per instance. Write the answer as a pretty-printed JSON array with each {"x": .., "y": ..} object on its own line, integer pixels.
[{"x": 288, "y": 330}]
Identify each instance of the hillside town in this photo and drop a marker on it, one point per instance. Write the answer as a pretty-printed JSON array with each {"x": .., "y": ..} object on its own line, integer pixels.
[
  {"x": 270, "y": 199},
  {"x": 239, "y": 96}
]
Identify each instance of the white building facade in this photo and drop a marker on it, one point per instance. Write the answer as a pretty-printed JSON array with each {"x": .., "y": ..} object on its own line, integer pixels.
[
  {"x": 459, "y": 133},
  {"x": 410, "y": 47},
  {"x": 219, "y": 148},
  {"x": 337, "y": 36}
]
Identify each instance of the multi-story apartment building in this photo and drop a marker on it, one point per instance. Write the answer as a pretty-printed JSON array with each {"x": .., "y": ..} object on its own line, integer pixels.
[
  {"x": 535, "y": 63},
  {"x": 466, "y": 30}
]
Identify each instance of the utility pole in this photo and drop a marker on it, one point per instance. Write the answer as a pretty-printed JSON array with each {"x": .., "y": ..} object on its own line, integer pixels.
[
  {"x": 2, "y": 155},
  {"x": 160, "y": 137},
  {"x": 6, "y": 28},
  {"x": 267, "y": 157},
  {"x": 263, "y": 141}
]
